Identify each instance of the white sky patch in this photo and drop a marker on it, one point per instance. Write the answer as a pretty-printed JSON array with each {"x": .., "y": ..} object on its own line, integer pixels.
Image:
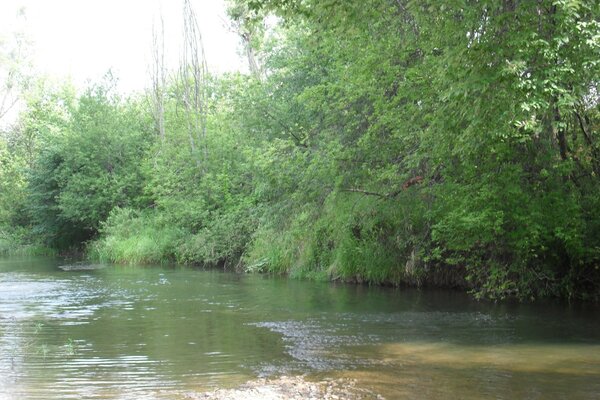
[{"x": 83, "y": 39}]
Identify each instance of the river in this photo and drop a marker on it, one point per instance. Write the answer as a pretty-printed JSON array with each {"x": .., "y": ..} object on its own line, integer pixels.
[{"x": 135, "y": 332}]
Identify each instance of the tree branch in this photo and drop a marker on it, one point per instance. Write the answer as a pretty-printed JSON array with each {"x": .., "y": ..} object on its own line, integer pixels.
[
  {"x": 586, "y": 134},
  {"x": 366, "y": 192}
]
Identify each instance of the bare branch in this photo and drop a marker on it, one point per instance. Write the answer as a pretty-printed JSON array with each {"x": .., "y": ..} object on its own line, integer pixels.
[
  {"x": 159, "y": 77},
  {"x": 366, "y": 192},
  {"x": 193, "y": 76}
]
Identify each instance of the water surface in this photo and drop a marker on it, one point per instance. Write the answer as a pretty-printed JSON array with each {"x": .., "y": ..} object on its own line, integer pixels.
[{"x": 164, "y": 332}]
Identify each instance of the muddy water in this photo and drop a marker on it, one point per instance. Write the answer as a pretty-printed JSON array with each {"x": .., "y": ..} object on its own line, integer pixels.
[{"x": 161, "y": 332}]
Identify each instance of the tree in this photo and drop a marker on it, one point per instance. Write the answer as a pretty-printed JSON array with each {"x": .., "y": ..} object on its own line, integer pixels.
[
  {"x": 89, "y": 169},
  {"x": 193, "y": 74},
  {"x": 250, "y": 27},
  {"x": 14, "y": 66},
  {"x": 159, "y": 77}
]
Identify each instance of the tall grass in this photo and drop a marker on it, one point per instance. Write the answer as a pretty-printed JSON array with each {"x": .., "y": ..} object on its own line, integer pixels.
[
  {"x": 130, "y": 237},
  {"x": 360, "y": 240},
  {"x": 16, "y": 243}
]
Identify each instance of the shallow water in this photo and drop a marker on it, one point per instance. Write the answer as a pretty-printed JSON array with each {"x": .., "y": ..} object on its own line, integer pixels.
[{"x": 162, "y": 332}]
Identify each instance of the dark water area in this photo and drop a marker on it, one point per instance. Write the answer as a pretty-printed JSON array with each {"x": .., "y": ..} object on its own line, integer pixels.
[{"x": 137, "y": 332}]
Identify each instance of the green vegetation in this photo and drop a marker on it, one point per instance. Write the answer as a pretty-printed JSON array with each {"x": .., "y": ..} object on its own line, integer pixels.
[{"x": 449, "y": 143}]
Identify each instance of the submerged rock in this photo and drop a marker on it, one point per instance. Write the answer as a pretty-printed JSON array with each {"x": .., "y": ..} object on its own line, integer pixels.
[
  {"x": 293, "y": 388},
  {"x": 81, "y": 267}
]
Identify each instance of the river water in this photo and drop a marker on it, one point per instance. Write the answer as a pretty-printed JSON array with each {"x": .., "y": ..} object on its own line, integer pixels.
[{"x": 164, "y": 332}]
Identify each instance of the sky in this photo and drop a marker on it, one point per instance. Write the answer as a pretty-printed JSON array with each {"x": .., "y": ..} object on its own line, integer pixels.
[{"x": 83, "y": 39}]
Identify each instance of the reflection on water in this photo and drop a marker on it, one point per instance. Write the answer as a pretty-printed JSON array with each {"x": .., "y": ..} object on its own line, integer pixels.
[{"x": 157, "y": 332}]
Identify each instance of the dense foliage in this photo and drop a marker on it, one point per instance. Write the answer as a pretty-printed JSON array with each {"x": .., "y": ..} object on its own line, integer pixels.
[{"x": 449, "y": 143}]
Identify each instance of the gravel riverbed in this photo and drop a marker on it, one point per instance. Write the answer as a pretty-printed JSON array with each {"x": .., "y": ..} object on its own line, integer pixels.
[{"x": 291, "y": 388}]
